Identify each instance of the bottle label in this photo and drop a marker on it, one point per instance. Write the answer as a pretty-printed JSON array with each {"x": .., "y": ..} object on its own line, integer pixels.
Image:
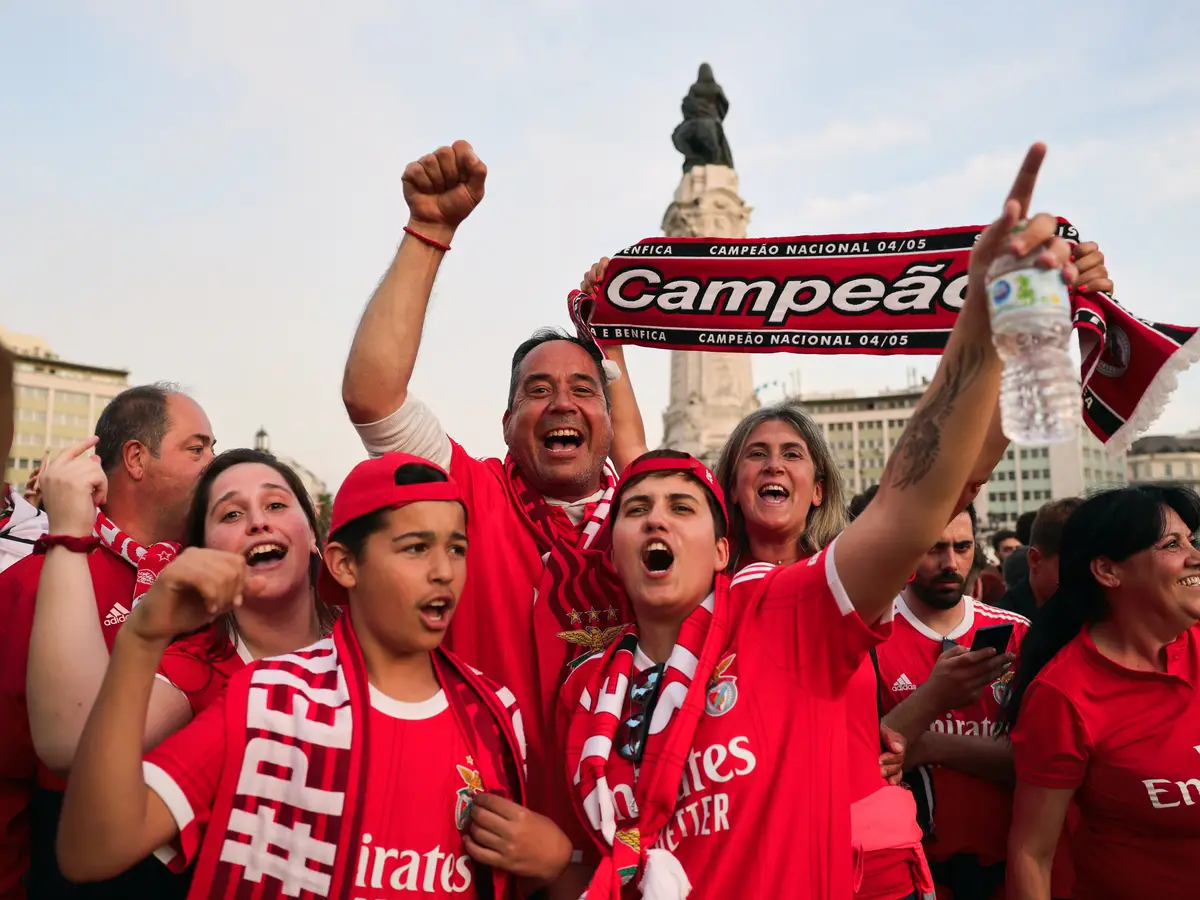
[{"x": 1029, "y": 290}]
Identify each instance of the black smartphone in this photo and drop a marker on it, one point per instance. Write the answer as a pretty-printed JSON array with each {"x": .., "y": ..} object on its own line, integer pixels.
[{"x": 994, "y": 636}]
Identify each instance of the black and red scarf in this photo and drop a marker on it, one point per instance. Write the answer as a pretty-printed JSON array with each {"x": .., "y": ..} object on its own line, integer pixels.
[{"x": 880, "y": 294}]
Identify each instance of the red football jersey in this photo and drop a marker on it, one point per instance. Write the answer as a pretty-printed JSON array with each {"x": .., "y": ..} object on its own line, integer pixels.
[
  {"x": 1128, "y": 743},
  {"x": 973, "y": 815},
  {"x": 764, "y": 807},
  {"x": 496, "y": 611},
  {"x": 113, "y": 579},
  {"x": 422, "y": 779},
  {"x": 201, "y": 673}
]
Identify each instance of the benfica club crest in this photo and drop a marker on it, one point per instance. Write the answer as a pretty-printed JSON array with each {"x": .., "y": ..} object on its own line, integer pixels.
[
  {"x": 466, "y": 795},
  {"x": 1001, "y": 688},
  {"x": 722, "y": 689}
]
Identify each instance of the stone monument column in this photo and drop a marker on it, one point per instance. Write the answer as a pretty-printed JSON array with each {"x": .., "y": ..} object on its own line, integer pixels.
[{"x": 710, "y": 392}]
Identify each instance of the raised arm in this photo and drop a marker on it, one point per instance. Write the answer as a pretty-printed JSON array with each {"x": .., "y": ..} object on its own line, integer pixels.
[
  {"x": 924, "y": 478},
  {"x": 629, "y": 431},
  {"x": 441, "y": 190},
  {"x": 111, "y": 819},
  {"x": 67, "y": 653}
]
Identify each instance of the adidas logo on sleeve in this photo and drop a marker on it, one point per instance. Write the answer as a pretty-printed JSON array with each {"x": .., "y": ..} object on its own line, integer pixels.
[
  {"x": 903, "y": 684},
  {"x": 118, "y": 614}
]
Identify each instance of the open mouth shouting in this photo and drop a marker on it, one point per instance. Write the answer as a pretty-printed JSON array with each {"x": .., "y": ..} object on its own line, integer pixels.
[
  {"x": 563, "y": 440},
  {"x": 773, "y": 493},
  {"x": 265, "y": 555},
  {"x": 657, "y": 559},
  {"x": 435, "y": 612},
  {"x": 1190, "y": 581}
]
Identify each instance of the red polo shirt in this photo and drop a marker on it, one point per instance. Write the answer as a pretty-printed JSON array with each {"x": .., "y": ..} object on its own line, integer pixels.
[{"x": 1128, "y": 743}]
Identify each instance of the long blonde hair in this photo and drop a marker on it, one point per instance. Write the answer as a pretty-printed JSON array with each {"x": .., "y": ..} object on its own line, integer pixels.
[{"x": 824, "y": 522}]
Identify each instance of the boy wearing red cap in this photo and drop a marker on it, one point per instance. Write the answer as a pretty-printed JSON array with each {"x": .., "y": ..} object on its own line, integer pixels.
[{"x": 370, "y": 764}]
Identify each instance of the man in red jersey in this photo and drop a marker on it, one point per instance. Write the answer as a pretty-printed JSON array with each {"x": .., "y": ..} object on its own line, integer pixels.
[
  {"x": 153, "y": 441},
  {"x": 947, "y": 702},
  {"x": 392, "y": 763},
  {"x": 534, "y": 515},
  {"x": 686, "y": 732}
]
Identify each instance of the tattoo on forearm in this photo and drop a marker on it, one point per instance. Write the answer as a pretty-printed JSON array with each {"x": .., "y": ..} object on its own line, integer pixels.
[{"x": 918, "y": 448}]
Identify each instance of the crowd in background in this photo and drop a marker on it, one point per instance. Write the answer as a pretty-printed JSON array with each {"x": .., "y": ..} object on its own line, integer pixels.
[{"x": 591, "y": 666}]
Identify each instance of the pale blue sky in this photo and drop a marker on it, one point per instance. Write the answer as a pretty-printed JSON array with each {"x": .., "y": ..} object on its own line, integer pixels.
[{"x": 207, "y": 192}]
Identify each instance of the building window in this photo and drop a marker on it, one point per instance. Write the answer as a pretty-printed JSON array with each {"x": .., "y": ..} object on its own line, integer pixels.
[
  {"x": 1025, "y": 495},
  {"x": 71, "y": 397},
  {"x": 1167, "y": 470},
  {"x": 70, "y": 420},
  {"x": 32, "y": 393},
  {"x": 31, "y": 415}
]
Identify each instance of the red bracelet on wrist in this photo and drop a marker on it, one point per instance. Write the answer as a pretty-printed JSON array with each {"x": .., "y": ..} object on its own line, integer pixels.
[
  {"x": 66, "y": 541},
  {"x": 424, "y": 239}
]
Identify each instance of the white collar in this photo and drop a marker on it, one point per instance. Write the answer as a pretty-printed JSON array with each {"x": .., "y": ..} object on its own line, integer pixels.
[{"x": 968, "y": 620}]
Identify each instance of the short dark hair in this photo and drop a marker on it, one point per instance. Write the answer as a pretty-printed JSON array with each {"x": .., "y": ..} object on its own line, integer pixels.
[
  {"x": 136, "y": 414},
  {"x": 1025, "y": 525},
  {"x": 545, "y": 336},
  {"x": 862, "y": 501},
  {"x": 714, "y": 507},
  {"x": 1047, "y": 531},
  {"x": 355, "y": 533},
  {"x": 1000, "y": 537}
]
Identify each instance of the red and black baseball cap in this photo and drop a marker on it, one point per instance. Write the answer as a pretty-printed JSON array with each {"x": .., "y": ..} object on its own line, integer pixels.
[
  {"x": 372, "y": 486},
  {"x": 684, "y": 465}
]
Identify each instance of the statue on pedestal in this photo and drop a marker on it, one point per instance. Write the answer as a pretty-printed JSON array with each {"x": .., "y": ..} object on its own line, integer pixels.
[{"x": 700, "y": 137}]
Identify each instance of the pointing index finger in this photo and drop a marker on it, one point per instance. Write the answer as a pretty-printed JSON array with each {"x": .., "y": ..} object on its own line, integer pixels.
[{"x": 1022, "y": 189}]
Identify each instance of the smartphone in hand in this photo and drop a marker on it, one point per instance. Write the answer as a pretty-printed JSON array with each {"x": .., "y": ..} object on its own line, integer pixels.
[{"x": 994, "y": 636}]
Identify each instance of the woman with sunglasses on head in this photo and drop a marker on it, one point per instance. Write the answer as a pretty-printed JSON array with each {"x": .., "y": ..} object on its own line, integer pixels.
[
  {"x": 1105, "y": 708},
  {"x": 734, "y": 688}
]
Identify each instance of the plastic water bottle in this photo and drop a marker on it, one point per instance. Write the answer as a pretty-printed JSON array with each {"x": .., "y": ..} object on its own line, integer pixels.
[{"x": 1031, "y": 326}]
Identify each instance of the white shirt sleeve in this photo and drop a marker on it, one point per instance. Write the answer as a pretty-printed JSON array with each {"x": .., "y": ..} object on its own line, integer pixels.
[{"x": 413, "y": 428}]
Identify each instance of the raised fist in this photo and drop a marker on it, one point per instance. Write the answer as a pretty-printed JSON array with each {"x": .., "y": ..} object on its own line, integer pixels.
[
  {"x": 192, "y": 590},
  {"x": 442, "y": 188}
]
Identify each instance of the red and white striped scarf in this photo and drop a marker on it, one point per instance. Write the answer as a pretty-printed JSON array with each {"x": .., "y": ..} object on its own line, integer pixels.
[
  {"x": 549, "y": 524},
  {"x": 579, "y": 603},
  {"x": 148, "y": 562},
  {"x": 304, "y": 715},
  {"x": 608, "y": 787}
]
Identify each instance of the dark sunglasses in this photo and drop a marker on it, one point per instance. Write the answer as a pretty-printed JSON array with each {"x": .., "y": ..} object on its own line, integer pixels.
[{"x": 635, "y": 728}]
